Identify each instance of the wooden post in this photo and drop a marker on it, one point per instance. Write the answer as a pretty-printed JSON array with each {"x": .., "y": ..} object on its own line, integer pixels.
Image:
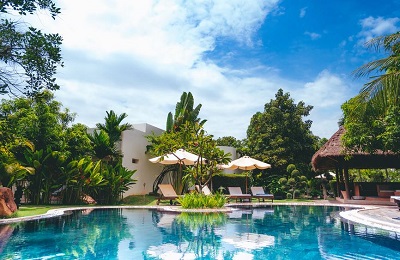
[{"x": 346, "y": 181}]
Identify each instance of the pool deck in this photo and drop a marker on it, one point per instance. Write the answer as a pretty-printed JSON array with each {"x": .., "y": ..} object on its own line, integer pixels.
[{"x": 378, "y": 216}]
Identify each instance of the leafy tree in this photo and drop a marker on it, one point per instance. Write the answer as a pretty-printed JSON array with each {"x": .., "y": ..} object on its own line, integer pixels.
[
  {"x": 373, "y": 124},
  {"x": 372, "y": 118},
  {"x": 230, "y": 141},
  {"x": 27, "y": 54},
  {"x": 186, "y": 131},
  {"x": 279, "y": 136},
  {"x": 295, "y": 183}
]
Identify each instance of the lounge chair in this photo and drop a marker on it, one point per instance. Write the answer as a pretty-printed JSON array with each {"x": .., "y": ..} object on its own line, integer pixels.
[
  {"x": 167, "y": 193},
  {"x": 205, "y": 190},
  {"x": 236, "y": 193},
  {"x": 259, "y": 193}
]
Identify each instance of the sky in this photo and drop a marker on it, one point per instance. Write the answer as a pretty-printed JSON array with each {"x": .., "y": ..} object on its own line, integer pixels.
[{"x": 138, "y": 57}]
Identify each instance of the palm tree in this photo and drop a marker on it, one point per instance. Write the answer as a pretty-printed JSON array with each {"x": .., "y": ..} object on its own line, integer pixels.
[
  {"x": 390, "y": 66},
  {"x": 113, "y": 126}
]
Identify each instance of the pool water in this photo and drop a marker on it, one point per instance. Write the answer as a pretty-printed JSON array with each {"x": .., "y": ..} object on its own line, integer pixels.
[{"x": 278, "y": 232}]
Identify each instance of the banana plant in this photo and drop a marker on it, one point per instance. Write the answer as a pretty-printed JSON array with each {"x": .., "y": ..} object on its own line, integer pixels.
[{"x": 83, "y": 177}]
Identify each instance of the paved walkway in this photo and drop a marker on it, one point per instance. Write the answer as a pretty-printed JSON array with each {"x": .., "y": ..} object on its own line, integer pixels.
[{"x": 384, "y": 217}]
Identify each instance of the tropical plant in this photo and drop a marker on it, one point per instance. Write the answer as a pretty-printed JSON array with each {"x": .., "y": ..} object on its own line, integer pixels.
[
  {"x": 389, "y": 66},
  {"x": 118, "y": 179},
  {"x": 46, "y": 172},
  {"x": 186, "y": 131},
  {"x": 184, "y": 112},
  {"x": 113, "y": 127},
  {"x": 199, "y": 201},
  {"x": 372, "y": 118},
  {"x": 82, "y": 177}
]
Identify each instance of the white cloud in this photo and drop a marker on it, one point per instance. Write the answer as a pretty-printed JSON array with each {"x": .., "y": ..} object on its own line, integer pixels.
[
  {"x": 313, "y": 35},
  {"x": 303, "y": 12},
  {"x": 326, "y": 94},
  {"x": 138, "y": 57},
  {"x": 373, "y": 27}
]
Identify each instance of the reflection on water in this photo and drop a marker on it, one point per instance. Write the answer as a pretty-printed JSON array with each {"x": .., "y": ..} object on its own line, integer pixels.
[{"x": 278, "y": 232}]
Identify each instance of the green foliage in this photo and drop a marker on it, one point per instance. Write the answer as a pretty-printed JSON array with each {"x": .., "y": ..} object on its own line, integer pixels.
[
  {"x": 27, "y": 50},
  {"x": 229, "y": 141},
  {"x": 371, "y": 125},
  {"x": 113, "y": 126},
  {"x": 200, "y": 201},
  {"x": 279, "y": 136},
  {"x": 118, "y": 179},
  {"x": 194, "y": 221},
  {"x": 372, "y": 118},
  {"x": 295, "y": 184},
  {"x": 186, "y": 131}
]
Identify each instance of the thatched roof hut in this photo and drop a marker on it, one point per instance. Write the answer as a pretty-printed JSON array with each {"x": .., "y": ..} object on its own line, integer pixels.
[{"x": 331, "y": 157}]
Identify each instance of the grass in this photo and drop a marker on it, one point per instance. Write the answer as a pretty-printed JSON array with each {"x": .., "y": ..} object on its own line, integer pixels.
[
  {"x": 25, "y": 211},
  {"x": 140, "y": 200}
]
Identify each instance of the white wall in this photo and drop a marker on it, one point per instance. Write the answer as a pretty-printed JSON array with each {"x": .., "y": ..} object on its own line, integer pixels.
[
  {"x": 234, "y": 156},
  {"x": 133, "y": 147}
]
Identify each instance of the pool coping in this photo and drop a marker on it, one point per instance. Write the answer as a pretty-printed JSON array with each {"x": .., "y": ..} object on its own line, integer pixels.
[{"x": 354, "y": 214}]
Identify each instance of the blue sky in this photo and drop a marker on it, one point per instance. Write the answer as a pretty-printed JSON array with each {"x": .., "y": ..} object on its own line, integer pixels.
[{"x": 138, "y": 57}]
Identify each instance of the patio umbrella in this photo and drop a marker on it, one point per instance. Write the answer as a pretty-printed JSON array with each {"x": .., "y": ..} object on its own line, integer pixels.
[
  {"x": 179, "y": 156},
  {"x": 246, "y": 163}
]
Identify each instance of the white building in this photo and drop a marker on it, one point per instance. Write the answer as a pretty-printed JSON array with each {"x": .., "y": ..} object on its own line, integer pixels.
[{"x": 134, "y": 146}]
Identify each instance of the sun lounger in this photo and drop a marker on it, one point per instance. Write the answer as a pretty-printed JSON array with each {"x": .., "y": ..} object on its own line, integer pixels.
[
  {"x": 205, "y": 190},
  {"x": 236, "y": 193},
  {"x": 167, "y": 193},
  {"x": 396, "y": 199},
  {"x": 259, "y": 193}
]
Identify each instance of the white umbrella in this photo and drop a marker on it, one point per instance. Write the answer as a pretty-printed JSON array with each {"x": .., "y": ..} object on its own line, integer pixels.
[
  {"x": 322, "y": 176},
  {"x": 246, "y": 163},
  {"x": 179, "y": 156}
]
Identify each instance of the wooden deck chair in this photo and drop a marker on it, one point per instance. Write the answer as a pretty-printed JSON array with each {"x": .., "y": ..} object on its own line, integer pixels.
[
  {"x": 237, "y": 194},
  {"x": 205, "y": 190},
  {"x": 259, "y": 193},
  {"x": 167, "y": 193}
]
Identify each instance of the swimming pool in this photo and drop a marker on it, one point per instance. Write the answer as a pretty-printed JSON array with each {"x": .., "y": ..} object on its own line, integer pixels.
[{"x": 275, "y": 232}]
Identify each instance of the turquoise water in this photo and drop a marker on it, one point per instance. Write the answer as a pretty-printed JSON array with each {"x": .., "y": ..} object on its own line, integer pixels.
[{"x": 278, "y": 232}]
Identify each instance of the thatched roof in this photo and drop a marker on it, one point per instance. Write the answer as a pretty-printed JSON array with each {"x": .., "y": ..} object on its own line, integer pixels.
[{"x": 331, "y": 156}]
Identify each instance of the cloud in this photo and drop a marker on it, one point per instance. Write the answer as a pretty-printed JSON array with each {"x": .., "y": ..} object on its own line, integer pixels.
[
  {"x": 303, "y": 12},
  {"x": 374, "y": 27},
  {"x": 326, "y": 94},
  {"x": 313, "y": 35},
  {"x": 137, "y": 57}
]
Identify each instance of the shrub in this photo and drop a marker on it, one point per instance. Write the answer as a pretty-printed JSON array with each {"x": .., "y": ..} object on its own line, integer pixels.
[{"x": 199, "y": 201}]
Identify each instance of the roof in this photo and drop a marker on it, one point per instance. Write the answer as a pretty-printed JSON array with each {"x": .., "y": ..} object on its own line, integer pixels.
[{"x": 331, "y": 156}]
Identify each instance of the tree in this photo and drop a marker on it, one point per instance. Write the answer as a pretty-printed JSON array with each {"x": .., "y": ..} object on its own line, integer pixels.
[
  {"x": 373, "y": 124},
  {"x": 27, "y": 54},
  {"x": 295, "y": 183},
  {"x": 113, "y": 126},
  {"x": 279, "y": 136},
  {"x": 186, "y": 131},
  {"x": 372, "y": 118},
  {"x": 390, "y": 67}
]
